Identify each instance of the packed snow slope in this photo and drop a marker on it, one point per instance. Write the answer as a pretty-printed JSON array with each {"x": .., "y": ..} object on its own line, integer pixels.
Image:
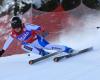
[{"x": 82, "y": 67}]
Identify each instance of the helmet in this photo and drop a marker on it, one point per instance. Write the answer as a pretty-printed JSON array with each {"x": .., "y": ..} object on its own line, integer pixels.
[{"x": 16, "y": 22}]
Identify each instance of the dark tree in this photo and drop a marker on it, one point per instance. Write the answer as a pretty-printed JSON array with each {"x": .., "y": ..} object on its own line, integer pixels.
[
  {"x": 94, "y": 4},
  {"x": 70, "y": 4}
]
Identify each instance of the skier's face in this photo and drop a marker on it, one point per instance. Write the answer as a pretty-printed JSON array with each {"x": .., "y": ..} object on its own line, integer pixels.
[{"x": 17, "y": 30}]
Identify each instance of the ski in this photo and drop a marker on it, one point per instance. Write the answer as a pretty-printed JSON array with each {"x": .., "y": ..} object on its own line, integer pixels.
[
  {"x": 42, "y": 58},
  {"x": 57, "y": 59}
]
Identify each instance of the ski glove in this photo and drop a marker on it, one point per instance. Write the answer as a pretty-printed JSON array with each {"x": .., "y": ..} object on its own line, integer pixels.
[
  {"x": 1, "y": 52},
  {"x": 45, "y": 33}
]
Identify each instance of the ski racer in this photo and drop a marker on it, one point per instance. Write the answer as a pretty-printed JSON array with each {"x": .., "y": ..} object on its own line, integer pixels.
[{"x": 31, "y": 40}]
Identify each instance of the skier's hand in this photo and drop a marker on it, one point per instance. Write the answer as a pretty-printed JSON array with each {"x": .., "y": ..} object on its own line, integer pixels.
[
  {"x": 42, "y": 32},
  {"x": 45, "y": 33},
  {"x": 1, "y": 52}
]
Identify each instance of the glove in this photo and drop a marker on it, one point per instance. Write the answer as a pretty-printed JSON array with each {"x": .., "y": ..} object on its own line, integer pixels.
[
  {"x": 1, "y": 52},
  {"x": 45, "y": 33}
]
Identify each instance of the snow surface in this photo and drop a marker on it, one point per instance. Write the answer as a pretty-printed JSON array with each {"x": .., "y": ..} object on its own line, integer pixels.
[{"x": 82, "y": 67}]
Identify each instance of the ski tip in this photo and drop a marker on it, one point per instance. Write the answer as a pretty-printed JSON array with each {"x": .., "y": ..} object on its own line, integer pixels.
[
  {"x": 56, "y": 59},
  {"x": 30, "y": 62},
  {"x": 90, "y": 48}
]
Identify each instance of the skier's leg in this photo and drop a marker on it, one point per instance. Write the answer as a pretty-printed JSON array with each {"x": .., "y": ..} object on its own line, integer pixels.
[
  {"x": 46, "y": 45},
  {"x": 35, "y": 47},
  {"x": 39, "y": 45},
  {"x": 59, "y": 48},
  {"x": 30, "y": 49}
]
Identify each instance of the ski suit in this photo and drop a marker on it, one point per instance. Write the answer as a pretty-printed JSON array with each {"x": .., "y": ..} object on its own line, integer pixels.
[{"x": 33, "y": 42}]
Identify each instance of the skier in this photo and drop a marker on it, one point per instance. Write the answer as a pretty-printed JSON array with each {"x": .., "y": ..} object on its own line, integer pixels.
[{"x": 31, "y": 40}]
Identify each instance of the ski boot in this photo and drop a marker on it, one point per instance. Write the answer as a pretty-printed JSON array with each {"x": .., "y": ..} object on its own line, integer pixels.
[
  {"x": 43, "y": 53},
  {"x": 70, "y": 51}
]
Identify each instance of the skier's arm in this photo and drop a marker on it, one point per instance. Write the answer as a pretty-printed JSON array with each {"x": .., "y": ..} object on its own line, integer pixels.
[
  {"x": 6, "y": 45},
  {"x": 33, "y": 27},
  {"x": 38, "y": 29},
  {"x": 8, "y": 42}
]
